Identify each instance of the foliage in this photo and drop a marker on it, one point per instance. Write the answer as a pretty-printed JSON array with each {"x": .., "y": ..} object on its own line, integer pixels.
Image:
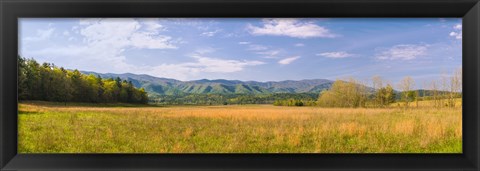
[
  {"x": 385, "y": 96},
  {"x": 294, "y": 102},
  {"x": 48, "y": 82},
  {"x": 344, "y": 94},
  {"x": 229, "y": 99}
]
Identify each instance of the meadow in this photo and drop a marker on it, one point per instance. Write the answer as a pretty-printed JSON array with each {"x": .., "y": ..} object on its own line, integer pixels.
[{"x": 47, "y": 127}]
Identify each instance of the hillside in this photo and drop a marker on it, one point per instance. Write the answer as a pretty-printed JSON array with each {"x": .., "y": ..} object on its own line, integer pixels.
[{"x": 164, "y": 86}]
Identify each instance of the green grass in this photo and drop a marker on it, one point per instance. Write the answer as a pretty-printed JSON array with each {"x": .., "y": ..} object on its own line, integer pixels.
[
  {"x": 84, "y": 128},
  {"x": 81, "y": 104}
]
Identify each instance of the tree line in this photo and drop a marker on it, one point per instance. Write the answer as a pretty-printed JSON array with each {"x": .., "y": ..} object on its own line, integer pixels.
[
  {"x": 295, "y": 102},
  {"x": 349, "y": 93},
  {"x": 229, "y": 99},
  {"x": 353, "y": 93},
  {"x": 447, "y": 89},
  {"x": 48, "y": 82}
]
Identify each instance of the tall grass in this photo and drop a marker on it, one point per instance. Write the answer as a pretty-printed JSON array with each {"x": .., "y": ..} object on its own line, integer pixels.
[{"x": 51, "y": 128}]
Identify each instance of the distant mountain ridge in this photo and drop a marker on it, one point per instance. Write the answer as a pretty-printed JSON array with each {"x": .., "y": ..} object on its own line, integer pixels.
[{"x": 165, "y": 86}]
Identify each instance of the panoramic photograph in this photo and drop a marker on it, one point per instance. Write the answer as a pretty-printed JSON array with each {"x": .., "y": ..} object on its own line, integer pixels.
[{"x": 240, "y": 85}]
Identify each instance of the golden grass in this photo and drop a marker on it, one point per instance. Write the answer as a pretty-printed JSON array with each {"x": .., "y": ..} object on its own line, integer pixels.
[{"x": 47, "y": 128}]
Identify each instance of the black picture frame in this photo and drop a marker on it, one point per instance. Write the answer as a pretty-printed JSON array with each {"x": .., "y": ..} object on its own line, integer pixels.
[{"x": 11, "y": 10}]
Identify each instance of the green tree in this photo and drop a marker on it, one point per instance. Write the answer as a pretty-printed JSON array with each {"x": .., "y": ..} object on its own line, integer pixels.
[
  {"x": 22, "y": 78},
  {"x": 344, "y": 94},
  {"x": 51, "y": 83},
  {"x": 389, "y": 95}
]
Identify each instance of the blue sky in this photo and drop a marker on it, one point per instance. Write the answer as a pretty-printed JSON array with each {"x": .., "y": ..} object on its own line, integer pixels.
[{"x": 249, "y": 49}]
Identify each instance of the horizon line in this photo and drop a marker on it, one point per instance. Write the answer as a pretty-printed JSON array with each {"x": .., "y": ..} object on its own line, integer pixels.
[{"x": 206, "y": 78}]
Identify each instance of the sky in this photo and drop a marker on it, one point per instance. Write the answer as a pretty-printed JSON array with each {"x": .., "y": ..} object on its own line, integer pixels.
[{"x": 258, "y": 49}]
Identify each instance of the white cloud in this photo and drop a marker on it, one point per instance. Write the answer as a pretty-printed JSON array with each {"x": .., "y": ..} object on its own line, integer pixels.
[
  {"x": 291, "y": 28},
  {"x": 458, "y": 27},
  {"x": 116, "y": 63},
  {"x": 147, "y": 41},
  {"x": 340, "y": 54},
  {"x": 288, "y": 60},
  {"x": 264, "y": 51},
  {"x": 81, "y": 57},
  {"x": 269, "y": 53},
  {"x": 257, "y": 47},
  {"x": 204, "y": 50},
  {"x": 104, "y": 41},
  {"x": 457, "y": 33},
  {"x": 42, "y": 34},
  {"x": 299, "y": 45},
  {"x": 88, "y": 21},
  {"x": 202, "y": 64},
  {"x": 221, "y": 65},
  {"x": 243, "y": 43},
  {"x": 210, "y": 33},
  {"x": 402, "y": 52},
  {"x": 121, "y": 33},
  {"x": 116, "y": 32},
  {"x": 152, "y": 25}
]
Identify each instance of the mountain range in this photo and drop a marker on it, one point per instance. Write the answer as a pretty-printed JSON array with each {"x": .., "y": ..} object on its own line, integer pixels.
[{"x": 165, "y": 86}]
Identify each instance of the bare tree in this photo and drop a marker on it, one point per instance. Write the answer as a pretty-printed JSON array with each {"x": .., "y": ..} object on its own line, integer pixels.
[
  {"x": 435, "y": 94},
  {"x": 455, "y": 87},
  {"x": 377, "y": 86},
  {"x": 445, "y": 88},
  {"x": 406, "y": 86},
  {"x": 362, "y": 92}
]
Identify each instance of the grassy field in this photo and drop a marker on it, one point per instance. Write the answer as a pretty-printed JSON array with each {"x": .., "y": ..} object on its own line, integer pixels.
[{"x": 54, "y": 128}]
